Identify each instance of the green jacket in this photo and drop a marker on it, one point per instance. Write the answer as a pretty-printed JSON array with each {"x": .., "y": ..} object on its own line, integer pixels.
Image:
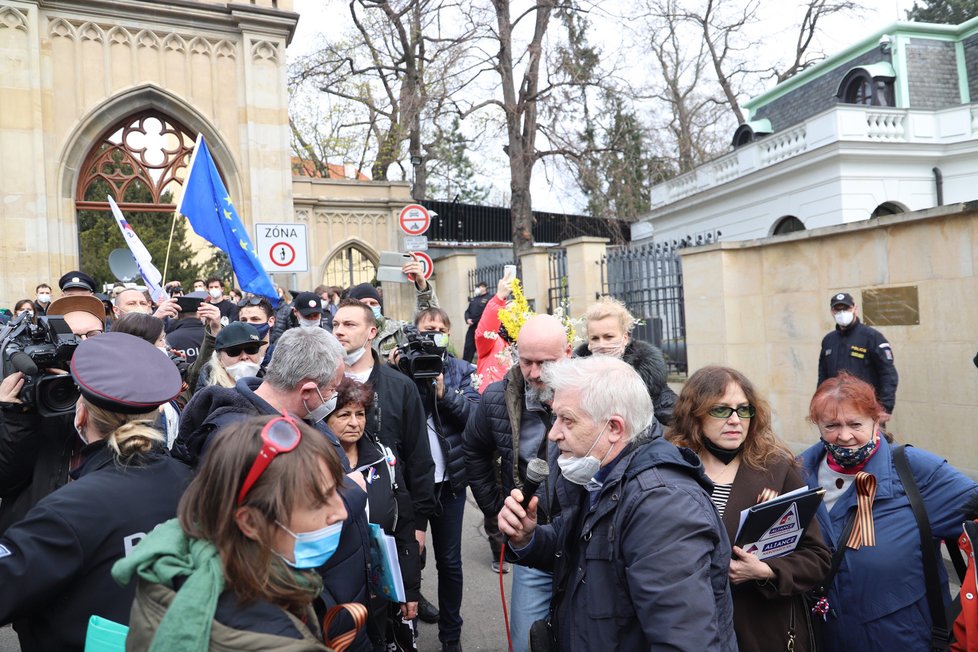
[{"x": 387, "y": 328}]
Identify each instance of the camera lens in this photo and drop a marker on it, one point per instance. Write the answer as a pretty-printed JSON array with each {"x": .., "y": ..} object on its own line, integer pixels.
[{"x": 56, "y": 395}]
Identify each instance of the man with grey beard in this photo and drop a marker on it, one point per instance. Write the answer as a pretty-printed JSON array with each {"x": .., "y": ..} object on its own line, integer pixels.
[{"x": 512, "y": 422}]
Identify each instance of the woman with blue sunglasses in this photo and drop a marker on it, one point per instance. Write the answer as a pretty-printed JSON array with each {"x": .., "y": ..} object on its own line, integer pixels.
[
  {"x": 236, "y": 569},
  {"x": 721, "y": 417}
]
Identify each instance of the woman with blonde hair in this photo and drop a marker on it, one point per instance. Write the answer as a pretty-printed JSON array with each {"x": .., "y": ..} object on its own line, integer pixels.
[
  {"x": 721, "y": 417},
  {"x": 609, "y": 327},
  {"x": 55, "y": 563}
]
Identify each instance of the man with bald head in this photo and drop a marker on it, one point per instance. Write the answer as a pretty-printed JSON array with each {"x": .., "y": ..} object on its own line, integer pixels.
[{"x": 512, "y": 423}]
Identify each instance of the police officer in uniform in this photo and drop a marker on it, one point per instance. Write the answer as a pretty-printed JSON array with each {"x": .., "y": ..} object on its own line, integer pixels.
[
  {"x": 55, "y": 563},
  {"x": 858, "y": 349},
  {"x": 76, "y": 283}
]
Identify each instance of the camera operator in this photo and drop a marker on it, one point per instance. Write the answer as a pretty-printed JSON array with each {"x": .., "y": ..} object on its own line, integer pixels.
[
  {"x": 37, "y": 453},
  {"x": 448, "y": 399}
]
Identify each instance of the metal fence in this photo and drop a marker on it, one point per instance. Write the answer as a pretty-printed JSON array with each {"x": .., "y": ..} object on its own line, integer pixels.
[
  {"x": 490, "y": 275},
  {"x": 557, "y": 292},
  {"x": 649, "y": 280}
]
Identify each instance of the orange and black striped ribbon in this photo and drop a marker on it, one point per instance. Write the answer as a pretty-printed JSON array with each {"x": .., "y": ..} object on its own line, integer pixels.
[
  {"x": 359, "y": 614},
  {"x": 863, "y": 532}
]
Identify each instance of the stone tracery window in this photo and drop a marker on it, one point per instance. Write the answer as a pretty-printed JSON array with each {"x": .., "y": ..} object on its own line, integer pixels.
[
  {"x": 348, "y": 267},
  {"x": 141, "y": 162}
]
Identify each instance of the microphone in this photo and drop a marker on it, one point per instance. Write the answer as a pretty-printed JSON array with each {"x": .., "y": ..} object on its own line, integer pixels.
[
  {"x": 23, "y": 363},
  {"x": 537, "y": 472}
]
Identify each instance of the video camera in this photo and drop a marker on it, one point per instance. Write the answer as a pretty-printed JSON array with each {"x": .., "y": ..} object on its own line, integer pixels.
[
  {"x": 32, "y": 349},
  {"x": 422, "y": 354}
]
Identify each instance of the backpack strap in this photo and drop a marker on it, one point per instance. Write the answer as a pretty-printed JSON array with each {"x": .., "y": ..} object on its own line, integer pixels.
[{"x": 940, "y": 634}]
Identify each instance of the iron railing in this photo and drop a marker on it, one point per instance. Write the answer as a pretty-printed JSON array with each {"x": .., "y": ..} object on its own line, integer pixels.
[
  {"x": 557, "y": 293},
  {"x": 457, "y": 222},
  {"x": 490, "y": 275},
  {"x": 649, "y": 280}
]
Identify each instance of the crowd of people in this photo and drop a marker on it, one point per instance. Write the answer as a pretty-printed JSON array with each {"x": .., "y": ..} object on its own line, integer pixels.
[{"x": 211, "y": 471}]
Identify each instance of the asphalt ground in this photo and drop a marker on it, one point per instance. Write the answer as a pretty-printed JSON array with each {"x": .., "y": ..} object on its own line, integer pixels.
[{"x": 481, "y": 606}]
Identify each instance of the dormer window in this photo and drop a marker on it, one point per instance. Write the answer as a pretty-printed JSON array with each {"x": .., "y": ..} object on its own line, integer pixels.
[
  {"x": 870, "y": 85},
  {"x": 750, "y": 131}
]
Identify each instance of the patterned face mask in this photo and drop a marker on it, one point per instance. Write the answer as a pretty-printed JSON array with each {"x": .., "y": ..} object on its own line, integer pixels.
[{"x": 850, "y": 457}]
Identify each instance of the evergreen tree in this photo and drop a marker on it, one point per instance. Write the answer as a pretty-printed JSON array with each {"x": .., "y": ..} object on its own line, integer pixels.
[
  {"x": 98, "y": 235},
  {"x": 450, "y": 170},
  {"x": 950, "y": 12}
]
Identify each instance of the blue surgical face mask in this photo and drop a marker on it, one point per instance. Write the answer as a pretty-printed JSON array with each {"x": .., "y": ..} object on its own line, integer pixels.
[
  {"x": 313, "y": 549},
  {"x": 377, "y": 312},
  {"x": 262, "y": 330}
]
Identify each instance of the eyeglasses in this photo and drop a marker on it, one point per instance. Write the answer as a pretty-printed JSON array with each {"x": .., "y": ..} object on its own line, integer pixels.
[
  {"x": 280, "y": 435},
  {"x": 251, "y": 301},
  {"x": 90, "y": 334},
  {"x": 724, "y": 411},
  {"x": 235, "y": 351}
]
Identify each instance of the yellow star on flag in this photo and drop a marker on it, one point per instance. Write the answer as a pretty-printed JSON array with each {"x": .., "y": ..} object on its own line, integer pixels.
[
  {"x": 244, "y": 245},
  {"x": 227, "y": 215}
]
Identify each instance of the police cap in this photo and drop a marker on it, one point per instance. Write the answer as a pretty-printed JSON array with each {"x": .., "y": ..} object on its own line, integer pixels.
[
  {"x": 124, "y": 373},
  {"x": 76, "y": 279}
]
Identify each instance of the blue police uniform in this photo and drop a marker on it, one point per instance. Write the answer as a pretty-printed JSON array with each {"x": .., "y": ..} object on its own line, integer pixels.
[{"x": 55, "y": 563}]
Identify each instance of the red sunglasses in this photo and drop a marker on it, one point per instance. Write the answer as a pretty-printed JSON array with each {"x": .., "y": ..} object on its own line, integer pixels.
[{"x": 280, "y": 435}]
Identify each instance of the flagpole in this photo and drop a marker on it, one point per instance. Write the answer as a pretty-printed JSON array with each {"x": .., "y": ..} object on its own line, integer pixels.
[{"x": 166, "y": 262}]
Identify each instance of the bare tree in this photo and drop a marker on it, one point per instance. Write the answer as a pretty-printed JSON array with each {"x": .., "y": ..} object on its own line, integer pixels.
[{"x": 396, "y": 63}]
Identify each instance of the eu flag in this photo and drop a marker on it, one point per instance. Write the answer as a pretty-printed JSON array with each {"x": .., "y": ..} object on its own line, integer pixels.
[{"x": 207, "y": 204}]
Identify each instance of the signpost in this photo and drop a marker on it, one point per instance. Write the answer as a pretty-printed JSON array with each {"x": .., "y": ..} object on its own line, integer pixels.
[
  {"x": 282, "y": 247},
  {"x": 414, "y": 219},
  {"x": 426, "y": 263}
]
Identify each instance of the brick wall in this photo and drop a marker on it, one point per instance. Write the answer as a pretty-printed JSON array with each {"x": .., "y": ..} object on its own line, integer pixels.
[
  {"x": 932, "y": 73},
  {"x": 816, "y": 96}
]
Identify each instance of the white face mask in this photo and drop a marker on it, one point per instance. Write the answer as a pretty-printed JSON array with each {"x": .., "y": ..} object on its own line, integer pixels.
[
  {"x": 44, "y": 298},
  {"x": 164, "y": 351},
  {"x": 843, "y": 318},
  {"x": 243, "y": 369},
  {"x": 354, "y": 356},
  {"x": 581, "y": 470},
  {"x": 308, "y": 323},
  {"x": 614, "y": 349},
  {"x": 216, "y": 293}
]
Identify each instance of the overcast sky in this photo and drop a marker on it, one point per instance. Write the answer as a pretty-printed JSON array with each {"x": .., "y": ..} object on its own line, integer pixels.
[{"x": 557, "y": 194}]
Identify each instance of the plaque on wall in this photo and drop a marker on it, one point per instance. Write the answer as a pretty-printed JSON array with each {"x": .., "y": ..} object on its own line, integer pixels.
[{"x": 891, "y": 306}]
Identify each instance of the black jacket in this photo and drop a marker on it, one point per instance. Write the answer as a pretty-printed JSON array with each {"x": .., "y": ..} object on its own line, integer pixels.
[
  {"x": 55, "y": 564},
  {"x": 864, "y": 352},
  {"x": 477, "y": 305},
  {"x": 398, "y": 418},
  {"x": 345, "y": 573},
  {"x": 646, "y": 567},
  {"x": 494, "y": 430},
  {"x": 650, "y": 364},
  {"x": 450, "y": 414},
  {"x": 391, "y": 509},
  {"x": 35, "y": 454},
  {"x": 186, "y": 336}
]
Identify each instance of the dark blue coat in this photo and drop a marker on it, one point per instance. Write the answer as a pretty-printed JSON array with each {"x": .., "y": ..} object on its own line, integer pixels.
[
  {"x": 55, "y": 563},
  {"x": 879, "y": 592},
  {"x": 451, "y": 412},
  {"x": 864, "y": 352},
  {"x": 646, "y": 567}
]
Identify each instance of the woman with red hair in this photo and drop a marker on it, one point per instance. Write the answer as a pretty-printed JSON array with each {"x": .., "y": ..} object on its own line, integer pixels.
[{"x": 877, "y": 599}]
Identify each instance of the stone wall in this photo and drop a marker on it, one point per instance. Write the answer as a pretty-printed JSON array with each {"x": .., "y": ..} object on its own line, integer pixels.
[
  {"x": 932, "y": 74},
  {"x": 762, "y": 306},
  {"x": 70, "y": 70}
]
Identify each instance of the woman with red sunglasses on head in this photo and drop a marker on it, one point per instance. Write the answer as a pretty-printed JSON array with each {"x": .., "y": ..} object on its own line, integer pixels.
[{"x": 236, "y": 570}]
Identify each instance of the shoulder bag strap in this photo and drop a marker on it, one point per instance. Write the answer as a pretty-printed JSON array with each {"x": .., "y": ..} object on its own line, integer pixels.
[
  {"x": 840, "y": 551},
  {"x": 935, "y": 601}
]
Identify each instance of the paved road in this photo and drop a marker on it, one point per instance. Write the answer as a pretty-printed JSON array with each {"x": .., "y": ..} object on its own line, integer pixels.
[{"x": 481, "y": 608}]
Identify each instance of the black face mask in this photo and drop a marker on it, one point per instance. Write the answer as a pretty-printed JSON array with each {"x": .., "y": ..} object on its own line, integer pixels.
[{"x": 723, "y": 454}]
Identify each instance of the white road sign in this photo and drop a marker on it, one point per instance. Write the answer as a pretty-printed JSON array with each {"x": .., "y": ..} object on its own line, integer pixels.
[{"x": 282, "y": 247}]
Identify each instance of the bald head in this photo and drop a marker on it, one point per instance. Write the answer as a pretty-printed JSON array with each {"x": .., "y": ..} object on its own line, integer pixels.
[{"x": 542, "y": 339}]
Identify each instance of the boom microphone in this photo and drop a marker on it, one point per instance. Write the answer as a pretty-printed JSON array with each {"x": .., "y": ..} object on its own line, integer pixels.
[
  {"x": 23, "y": 363},
  {"x": 537, "y": 471}
]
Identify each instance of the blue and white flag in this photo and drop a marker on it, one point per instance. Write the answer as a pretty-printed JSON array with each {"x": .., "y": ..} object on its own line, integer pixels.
[
  {"x": 207, "y": 204},
  {"x": 151, "y": 276}
]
